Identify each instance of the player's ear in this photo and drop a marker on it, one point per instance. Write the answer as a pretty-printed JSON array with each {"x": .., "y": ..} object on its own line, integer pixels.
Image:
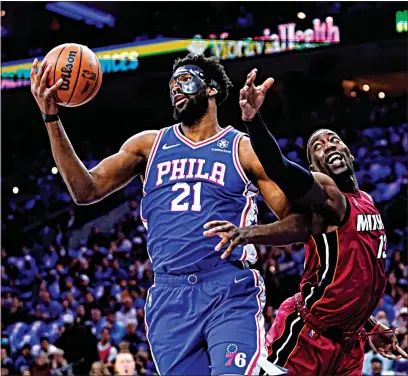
[
  {"x": 212, "y": 92},
  {"x": 352, "y": 157}
]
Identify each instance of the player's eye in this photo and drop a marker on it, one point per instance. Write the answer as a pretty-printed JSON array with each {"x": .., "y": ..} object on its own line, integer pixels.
[
  {"x": 184, "y": 77},
  {"x": 317, "y": 146},
  {"x": 334, "y": 139}
]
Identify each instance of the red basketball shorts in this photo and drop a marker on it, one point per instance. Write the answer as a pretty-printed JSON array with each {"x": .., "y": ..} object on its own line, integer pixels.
[{"x": 294, "y": 346}]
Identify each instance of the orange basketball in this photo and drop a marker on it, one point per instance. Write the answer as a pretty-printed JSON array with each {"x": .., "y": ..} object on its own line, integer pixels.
[{"x": 80, "y": 70}]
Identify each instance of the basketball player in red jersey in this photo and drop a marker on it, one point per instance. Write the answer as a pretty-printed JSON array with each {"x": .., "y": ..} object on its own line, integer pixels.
[{"x": 320, "y": 330}]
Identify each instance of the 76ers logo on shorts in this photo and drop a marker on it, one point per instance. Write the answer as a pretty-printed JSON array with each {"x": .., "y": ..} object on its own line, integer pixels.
[{"x": 239, "y": 358}]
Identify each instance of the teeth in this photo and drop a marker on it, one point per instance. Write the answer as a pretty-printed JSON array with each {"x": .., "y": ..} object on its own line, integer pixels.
[{"x": 333, "y": 157}]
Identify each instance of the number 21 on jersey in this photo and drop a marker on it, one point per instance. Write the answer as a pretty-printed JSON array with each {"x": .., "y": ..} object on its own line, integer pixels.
[{"x": 185, "y": 189}]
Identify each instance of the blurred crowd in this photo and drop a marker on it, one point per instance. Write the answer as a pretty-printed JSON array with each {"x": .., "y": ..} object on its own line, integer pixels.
[{"x": 71, "y": 311}]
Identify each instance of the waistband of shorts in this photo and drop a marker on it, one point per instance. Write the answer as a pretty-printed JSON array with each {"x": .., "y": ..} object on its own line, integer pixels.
[{"x": 196, "y": 278}]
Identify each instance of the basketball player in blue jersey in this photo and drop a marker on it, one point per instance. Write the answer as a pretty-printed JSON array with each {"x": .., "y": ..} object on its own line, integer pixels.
[{"x": 203, "y": 313}]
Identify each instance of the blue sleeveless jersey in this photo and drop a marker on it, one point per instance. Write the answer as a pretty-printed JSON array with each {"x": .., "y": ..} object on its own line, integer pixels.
[{"x": 187, "y": 184}]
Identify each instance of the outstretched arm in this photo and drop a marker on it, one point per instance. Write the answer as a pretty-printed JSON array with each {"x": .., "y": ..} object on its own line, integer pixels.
[
  {"x": 293, "y": 228},
  {"x": 296, "y": 182},
  {"x": 86, "y": 187}
]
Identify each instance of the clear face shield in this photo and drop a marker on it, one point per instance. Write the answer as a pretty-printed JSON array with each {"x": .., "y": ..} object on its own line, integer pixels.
[{"x": 190, "y": 79}]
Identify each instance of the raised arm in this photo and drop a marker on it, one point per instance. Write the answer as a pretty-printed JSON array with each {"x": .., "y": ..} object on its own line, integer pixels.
[
  {"x": 293, "y": 227},
  {"x": 296, "y": 182},
  {"x": 86, "y": 187}
]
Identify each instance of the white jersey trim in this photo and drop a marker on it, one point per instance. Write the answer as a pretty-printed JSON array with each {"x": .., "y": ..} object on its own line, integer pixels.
[
  {"x": 195, "y": 145},
  {"x": 151, "y": 156},
  {"x": 235, "y": 157}
]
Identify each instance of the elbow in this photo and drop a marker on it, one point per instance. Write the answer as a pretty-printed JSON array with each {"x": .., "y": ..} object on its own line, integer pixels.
[
  {"x": 84, "y": 199},
  {"x": 84, "y": 195}
]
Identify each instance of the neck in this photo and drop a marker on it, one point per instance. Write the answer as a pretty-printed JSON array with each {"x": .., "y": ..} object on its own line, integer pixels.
[
  {"x": 347, "y": 183},
  {"x": 205, "y": 128}
]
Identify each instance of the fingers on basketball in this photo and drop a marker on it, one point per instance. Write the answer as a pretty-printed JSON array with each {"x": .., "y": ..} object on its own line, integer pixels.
[{"x": 33, "y": 70}]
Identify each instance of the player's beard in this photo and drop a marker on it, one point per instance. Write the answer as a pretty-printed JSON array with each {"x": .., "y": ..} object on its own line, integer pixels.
[{"x": 194, "y": 110}]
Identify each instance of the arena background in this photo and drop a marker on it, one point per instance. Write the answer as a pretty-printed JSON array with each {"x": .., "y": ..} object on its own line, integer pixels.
[{"x": 77, "y": 270}]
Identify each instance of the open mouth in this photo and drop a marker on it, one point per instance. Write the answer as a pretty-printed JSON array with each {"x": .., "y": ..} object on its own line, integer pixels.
[
  {"x": 179, "y": 99},
  {"x": 334, "y": 159}
]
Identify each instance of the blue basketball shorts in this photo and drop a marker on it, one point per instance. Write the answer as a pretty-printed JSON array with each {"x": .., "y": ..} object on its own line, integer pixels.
[{"x": 207, "y": 323}]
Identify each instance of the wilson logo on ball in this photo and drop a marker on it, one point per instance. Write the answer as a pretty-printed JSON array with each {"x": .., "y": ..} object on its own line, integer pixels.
[
  {"x": 79, "y": 70},
  {"x": 67, "y": 70}
]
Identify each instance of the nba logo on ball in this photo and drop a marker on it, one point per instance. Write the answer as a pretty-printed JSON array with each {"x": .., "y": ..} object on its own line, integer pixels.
[
  {"x": 80, "y": 71},
  {"x": 222, "y": 143}
]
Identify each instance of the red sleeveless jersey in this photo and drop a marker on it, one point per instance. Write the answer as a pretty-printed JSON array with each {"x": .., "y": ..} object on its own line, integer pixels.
[{"x": 344, "y": 276}]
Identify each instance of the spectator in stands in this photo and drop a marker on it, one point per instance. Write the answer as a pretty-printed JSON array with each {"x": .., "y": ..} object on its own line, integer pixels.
[
  {"x": 402, "y": 303},
  {"x": 26, "y": 372},
  {"x": 127, "y": 314},
  {"x": 97, "y": 322},
  {"x": 371, "y": 357},
  {"x": 106, "y": 351},
  {"x": 134, "y": 209},
  {"x": 376, "y": 367},
  {"x": 49, "y": 309},
  {"x": 17, "y": 312},
  {"x": 25, "y": 360},
  {"x": 124, "y": 347},
  {"x": 99, "y": 369},
  {"x": 47, "y": 236},
  {"x": 392, "y": 288},
  {"x": 124, "y": 245},
  {"x": 386, "y": 306},
  {"x": 70, "y": 289},
  {"x": 59, "y": 365},
  {"x": 50, "y": 257},
  {"x": 89, "y": 304},
  {"x": 96, "y": 237},
  {"x": 125, "y": 364},
  {"x": 41, "y": 366},
  {"x": 143, "y": 362},
  {"x": 117, "y": 271},
  {"x": 401, "y": 319},
  {"x": 131, "y": 337},
  {"x": 6, "y": 363},
  {"x": 68, "y": 305},
  {"x": 381, "y": 316},
  {"x": 44, "y": 348},
  {"x": 396, "y": 265},
  {"x": 80, "y": 315}
]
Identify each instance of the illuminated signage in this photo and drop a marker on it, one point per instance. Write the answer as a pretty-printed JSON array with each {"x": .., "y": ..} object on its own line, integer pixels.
[
  {"x": 287, "y": 39},
  {"x": 77, "y": 11},
  {"x": 401, "y": 21},
  {"x": 119, "y": 58}
]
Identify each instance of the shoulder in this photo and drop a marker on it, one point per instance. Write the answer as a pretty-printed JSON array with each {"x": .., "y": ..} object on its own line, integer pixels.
[
  {"x": 246, "y": 153},
  {"x": 367, "y": 196},
  {"x": 141, "y": 143}
]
